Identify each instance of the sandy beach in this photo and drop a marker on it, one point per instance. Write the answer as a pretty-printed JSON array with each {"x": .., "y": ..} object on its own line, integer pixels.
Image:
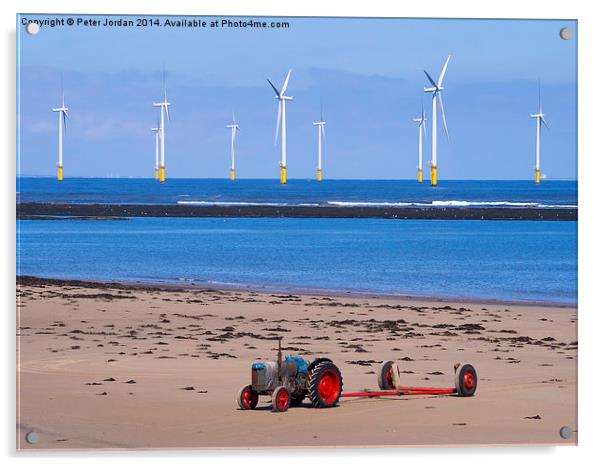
[{"x": 118, "y": 366}]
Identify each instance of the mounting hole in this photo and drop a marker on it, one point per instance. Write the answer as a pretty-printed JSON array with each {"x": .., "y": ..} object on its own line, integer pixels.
[
  {"x": 566, "y": 432},
  {"x": 32, "y": 28},
  {"x": 32, "y": 437},
  {"x": 566, "y": 33}
]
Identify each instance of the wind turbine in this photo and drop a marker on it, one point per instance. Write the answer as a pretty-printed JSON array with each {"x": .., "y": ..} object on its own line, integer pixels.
[
  {"x": 421, "y": 130},
  {"x": 282, "y": 117},
  {"x": 539, "y": 119},
  {"x": 321, "y": 134},
  {"x": 233, "y": 128},
  {"x": 436, "y": 91},
  {"x": 62, "y": 112},
  {"x": 157, "y": 136},
  {"x": 164, "y": 112}
]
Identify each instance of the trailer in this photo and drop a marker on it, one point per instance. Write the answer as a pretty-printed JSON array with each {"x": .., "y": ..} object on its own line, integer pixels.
[{"x": 465, "y": 381}]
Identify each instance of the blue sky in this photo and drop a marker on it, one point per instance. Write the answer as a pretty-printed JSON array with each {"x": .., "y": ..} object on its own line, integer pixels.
[{"x": 368, "y": 73}]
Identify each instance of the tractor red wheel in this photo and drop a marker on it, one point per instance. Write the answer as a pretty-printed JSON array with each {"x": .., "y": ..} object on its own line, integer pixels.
[
  {"x": 281, "y": 399},
  {"x": 466, "y": 380},
  {"x": 247, "y": 397},
  {"x": 325, "y": 385},
  {"x": 385, "y": 376}
]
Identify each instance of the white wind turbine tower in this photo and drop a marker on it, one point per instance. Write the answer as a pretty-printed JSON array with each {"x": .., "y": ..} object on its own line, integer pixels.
[
  {"x": 234, "y": 128},
  {"x": 321, "y": 134},
  {"x": 156, "y": 130},
  {"x": 164, "y": 112},
  {"x": 62, "y": 113},
  {"x": 282, "y": 117},
  {"x": 436, "y": 91},
  {"x": 539, "y": 119},
  {"x": 421, "y": 130}
]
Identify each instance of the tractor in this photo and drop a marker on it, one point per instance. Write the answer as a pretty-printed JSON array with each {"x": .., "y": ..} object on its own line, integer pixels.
[{"x": 290, "y": 380}]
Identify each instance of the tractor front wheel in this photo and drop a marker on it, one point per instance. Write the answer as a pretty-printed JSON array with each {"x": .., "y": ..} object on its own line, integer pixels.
[
  {"x": 281, "y": 399},
  {"x": 247, "y": 397},
  {"x": 325, "y": 385}
]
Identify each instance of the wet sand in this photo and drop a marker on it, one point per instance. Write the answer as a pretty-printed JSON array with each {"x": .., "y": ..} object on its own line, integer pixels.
[
  {"x": 45, "y": 211},
  {"x": 118, "y": 366}
]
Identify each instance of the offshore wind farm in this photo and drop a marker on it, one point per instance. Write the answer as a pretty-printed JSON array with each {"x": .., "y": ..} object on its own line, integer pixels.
[
  {"x": 220, "y": 188},
  {"x": 435, "y": 88}
]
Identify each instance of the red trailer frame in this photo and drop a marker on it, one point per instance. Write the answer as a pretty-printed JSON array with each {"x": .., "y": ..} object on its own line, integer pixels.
[{"x": 402, "y": 391}]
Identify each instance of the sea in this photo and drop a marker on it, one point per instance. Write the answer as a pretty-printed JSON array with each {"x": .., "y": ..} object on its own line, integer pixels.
[{"x": 518, "y": 261}]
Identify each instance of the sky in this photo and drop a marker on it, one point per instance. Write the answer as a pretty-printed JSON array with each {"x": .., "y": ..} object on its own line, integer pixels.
[{"x": 368, "y": 74}]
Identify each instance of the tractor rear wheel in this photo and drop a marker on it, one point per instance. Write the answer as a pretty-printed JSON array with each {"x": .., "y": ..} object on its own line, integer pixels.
[
  {"x": 325, "y": 385},
  {"x": 247, "y": 397},
  {"x": 281, "y": 399},
  {"x": 466, "y": 380},
  {"x": 385, "y": 376}
]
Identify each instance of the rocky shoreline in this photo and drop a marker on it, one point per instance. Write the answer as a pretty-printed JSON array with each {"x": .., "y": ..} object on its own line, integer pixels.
[{"x": 47, "y": 211}]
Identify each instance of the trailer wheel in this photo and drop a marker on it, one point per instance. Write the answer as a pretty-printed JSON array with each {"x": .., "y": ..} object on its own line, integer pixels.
[
  {"x": 466, "y": 380},
  {"x": 247, "y": 397},
  {"x": 325, "y": 385},
  {"x": 385, "y": 375},
  {"x": 281, "y": 399},
  {"x": 297, "y": 400}
]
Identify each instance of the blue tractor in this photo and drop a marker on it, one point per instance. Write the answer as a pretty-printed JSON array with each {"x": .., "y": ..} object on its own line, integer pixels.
[{"x": 290, "y": 380}]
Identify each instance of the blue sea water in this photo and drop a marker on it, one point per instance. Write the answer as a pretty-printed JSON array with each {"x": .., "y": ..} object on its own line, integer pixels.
[
  {"x": 334, "y": 192},
  {"x": 501, "y": 260}
]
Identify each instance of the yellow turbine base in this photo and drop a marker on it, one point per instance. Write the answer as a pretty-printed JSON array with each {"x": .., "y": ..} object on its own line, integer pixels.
[
  {"x": 162, "y": 175},
  {"x": 232, "y": 174},
  {"x": 537, "y": 177},
  {"x": 319, "y": 174},
  {"x": 60, "y": 173},
  {"x": 420, "y": 175},
  {"x": 156, "y": 173},
  {"x": 283, "y": 175},
  {"x": 433, "y": 176}
]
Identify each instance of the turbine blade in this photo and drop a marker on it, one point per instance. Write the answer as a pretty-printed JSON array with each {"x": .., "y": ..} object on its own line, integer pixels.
[
  {"x": 233, "y": 117},
  {"x": 543, "y": 120},
  {"x": 321, "y": 110},
  {"x": 323, "y": 129},
  {"x": 443, "y": 114},
  {"x": 278, "y": 122},
  {"x": 430, "y": 79},
  {"x": 64, "y": 121},
  {"x": 424, "y": 128},
  {"x": 539, "y": 93},
  {"x": 285, "y": 85},
  {"x": 62, "y": 92},
  {"x": 164, "y": 87},
  {"x": 167, "y": 111},
  {"x": 274, "y": 87},
  {"x": 443, "y": 72}
]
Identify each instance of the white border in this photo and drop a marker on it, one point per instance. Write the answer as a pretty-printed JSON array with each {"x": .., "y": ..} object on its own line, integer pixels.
[{"x": 590, "y": 156}]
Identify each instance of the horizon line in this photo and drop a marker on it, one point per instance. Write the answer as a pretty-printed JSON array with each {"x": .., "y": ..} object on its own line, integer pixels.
[{"x": 277, "y": 179}]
